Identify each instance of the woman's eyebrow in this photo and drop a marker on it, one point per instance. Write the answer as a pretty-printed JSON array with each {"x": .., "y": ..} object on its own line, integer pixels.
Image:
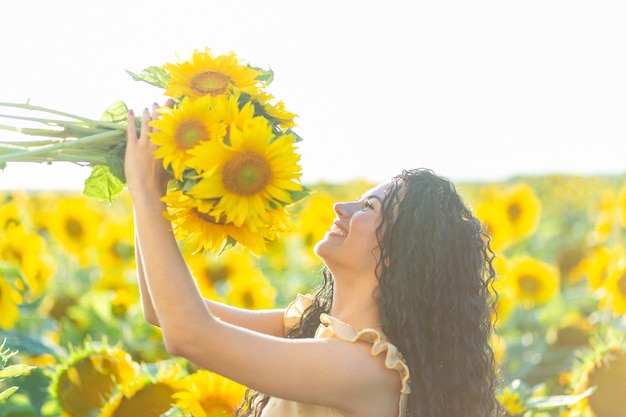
[{"x": 367, "y": 197}]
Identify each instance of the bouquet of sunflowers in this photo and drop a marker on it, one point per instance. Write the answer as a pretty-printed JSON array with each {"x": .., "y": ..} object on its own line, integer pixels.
[{"x": 227, "y": 142}]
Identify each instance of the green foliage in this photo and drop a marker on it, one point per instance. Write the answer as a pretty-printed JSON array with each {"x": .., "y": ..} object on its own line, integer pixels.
[
  {"x": 152, "y": 75},
  {"x": 102, "y": 184},
  {"x": 9, "y": 371}
]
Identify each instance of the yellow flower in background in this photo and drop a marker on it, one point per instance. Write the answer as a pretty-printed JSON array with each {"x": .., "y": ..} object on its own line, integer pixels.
[
  {"x": 10, "y": 299},
  {"x": 509, "y": 215},
  {"x": 145, "y": 396},
  {"x": 495, "y": 224},
  {"x": 498, "y": 345},
  {"x": 251, "y": 291},
  {"x": 597, "y": 264},
  {"x": 574, "y": 330},
  {"x": 203, "y": 232},
  {"x": 205, "y": 74},
  {"x": 315, "y": 218},
  {"x": 208, "y": 394},
  {"x": 606, "y": 371},
  {"x": 125, "y": 293},
  {"x": 115, "y": 248},
  {"x": 213, "y": 272},
  {"x": 179, "y": 130},
  {"x": 10, "y": 214},
  {"x": 90, "y": 376},
  {"x": 511, "y": 401},
  {"x": 533, "y": 282},
  {"x": 523, "y": 210},
  {"x": 505, "y": 302},
  {"x": 251, "y": 175},
  {"x": 75, "y": 226},
  {"x": 607, "y": 216},
  {"x": 28, "y": 252},
  {"x": 621, "y": 201},
  {"x": 615, "y": 286}
]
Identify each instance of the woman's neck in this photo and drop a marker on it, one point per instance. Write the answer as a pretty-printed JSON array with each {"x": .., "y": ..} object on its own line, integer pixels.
[{"x": 354, "y": 302}]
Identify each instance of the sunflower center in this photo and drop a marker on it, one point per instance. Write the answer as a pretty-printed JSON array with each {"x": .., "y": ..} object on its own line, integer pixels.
[
  {"x": 529, "y": 284},
  {"x": 621, "y": 284},
  {"x": 151, "y": 400},
  {"x": 514, "y": 211},
  {"x": 211, "y": 82},
  {"x": 189, "y": 133},
  {"x": 74, "y": 228},
  {"x": 216, "y": 406},
  {"x": 247, "y": 173},
  {"x": 208, "y": 218}
]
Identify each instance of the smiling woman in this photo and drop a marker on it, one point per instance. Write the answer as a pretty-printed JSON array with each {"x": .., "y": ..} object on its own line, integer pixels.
[{"x": 401, "y": 326}]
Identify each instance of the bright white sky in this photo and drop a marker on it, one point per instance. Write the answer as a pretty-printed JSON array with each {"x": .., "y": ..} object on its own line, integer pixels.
[{"x": 472, "y": 89}]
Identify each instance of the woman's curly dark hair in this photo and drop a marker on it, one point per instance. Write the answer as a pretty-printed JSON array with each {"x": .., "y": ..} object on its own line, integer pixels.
[{"x": 435, "y": 289}]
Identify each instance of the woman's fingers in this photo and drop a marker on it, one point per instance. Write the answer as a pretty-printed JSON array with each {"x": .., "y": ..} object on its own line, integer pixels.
[
  {"x": 131, "y": 131},
  {"x": 145, "y": 124}
]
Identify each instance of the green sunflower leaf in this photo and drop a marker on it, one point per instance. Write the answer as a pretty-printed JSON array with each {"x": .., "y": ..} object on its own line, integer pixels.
[
  {"x": 115, "y": 113},
  {"x": 267, "y": 76},
  {"x": 152, "y": 75},
  {"x": 115, "y": 162},
  {"x": 7, "y": 392},
  {"x": 299, "y": 195},
  {"x": 15, "y": 370},
  {"x": 102, "y": 184},
  {"x": 554, "y": 401}
]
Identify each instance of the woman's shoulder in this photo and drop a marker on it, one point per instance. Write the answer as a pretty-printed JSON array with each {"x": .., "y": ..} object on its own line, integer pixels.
[{"x": 378, "y": 347}]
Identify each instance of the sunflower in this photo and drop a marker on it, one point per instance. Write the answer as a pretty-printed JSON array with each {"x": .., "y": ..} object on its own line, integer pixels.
[
  {"x": 146, "y": 396},
  {"x": 212, "y": 272},
  {"x": 523, "y": 210},
  {"x": 252, "y": 291},
  {"x": 10, "y": 214},
  {"x": 75, "y": 226},
  {"x": 208, "y": 394},
  {"x": 205, "y": 74},
  {"x": 533, "y": 282},
  {"x": 115, "y": 247},
  {"x": 512, "y": 401},
  {"x": 509, "y": 215},
  {"x": 179, "y": 130},
  {"x": 315, "y": 217},
  {"x": 495, "y": 224},
  {"x": 28, "y": 252},
  {"x": 10, "y": 299},
  {"x": 604, "y": 368},
  {"x": 615, "y": 286},
  {"x": 90, "y": 376},
  {"x": 252, "y": 174},
  {"x": 124, "y": 294},
  {"x": 203, "y": 232},
  {"x": 574, "y": 330},
  {"x": 622, "y": 205},
  {"x": 275, "y": 111},
  {"x": 505, "y": 302}
]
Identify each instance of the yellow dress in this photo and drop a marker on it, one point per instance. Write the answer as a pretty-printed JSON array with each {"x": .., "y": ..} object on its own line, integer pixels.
[{"x": 331, "y": 328}]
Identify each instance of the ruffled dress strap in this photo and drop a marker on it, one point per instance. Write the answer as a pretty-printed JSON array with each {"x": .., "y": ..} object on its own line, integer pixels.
[
  {"x": 295, "y": 310},
  {"x": 331, "y": 327}
]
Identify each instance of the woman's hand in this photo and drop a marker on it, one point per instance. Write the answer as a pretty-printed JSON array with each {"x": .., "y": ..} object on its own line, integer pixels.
[{"x": 144, "y": 173}]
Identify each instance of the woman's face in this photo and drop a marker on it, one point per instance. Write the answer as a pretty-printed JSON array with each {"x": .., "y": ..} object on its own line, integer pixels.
[{"x": 351, "y": 241}]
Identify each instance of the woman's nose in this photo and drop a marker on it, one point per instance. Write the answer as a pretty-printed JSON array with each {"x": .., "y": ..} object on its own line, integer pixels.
[{"x": 344, "y": 209}]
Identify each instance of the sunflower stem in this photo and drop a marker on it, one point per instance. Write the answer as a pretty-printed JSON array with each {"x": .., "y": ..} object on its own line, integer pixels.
[
  {"x": 108, "y": 137},
  {"x": 27, "y": 106}
]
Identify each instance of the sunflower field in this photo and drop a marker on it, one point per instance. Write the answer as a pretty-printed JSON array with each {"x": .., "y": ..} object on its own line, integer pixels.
[{"x": 74, "y": 342}]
